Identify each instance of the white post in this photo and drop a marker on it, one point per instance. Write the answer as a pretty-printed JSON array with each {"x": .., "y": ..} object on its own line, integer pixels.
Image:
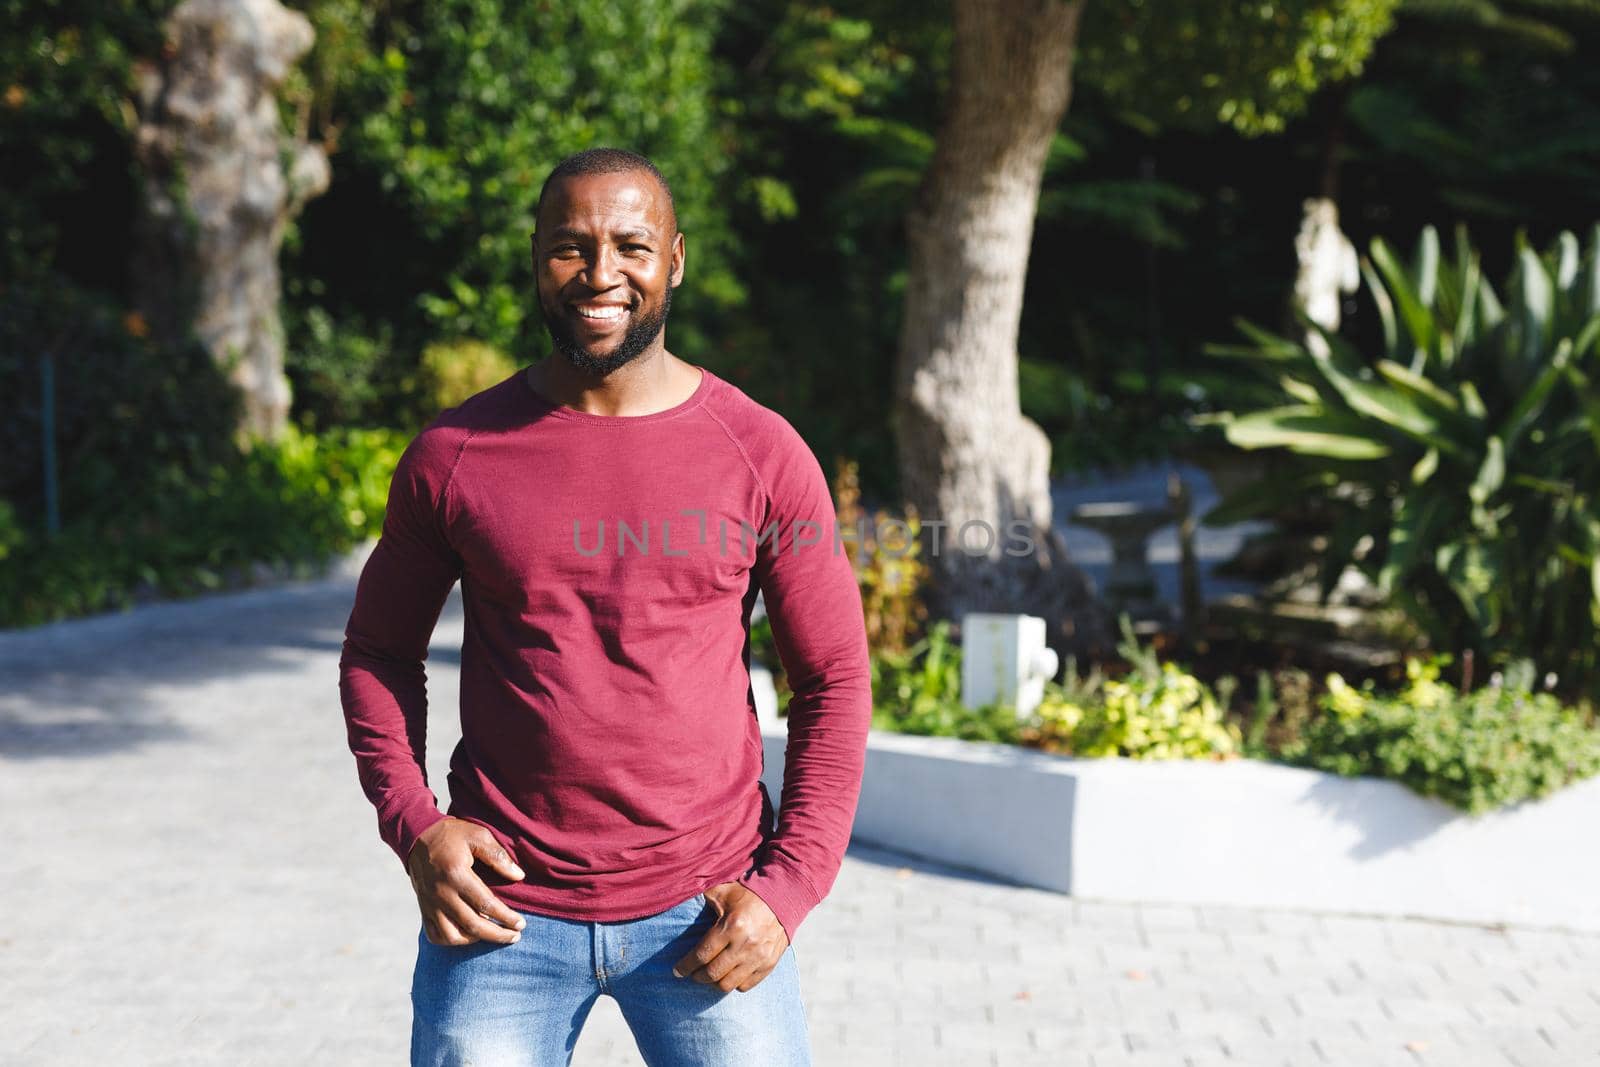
[{"x": 1005, "y": 658}]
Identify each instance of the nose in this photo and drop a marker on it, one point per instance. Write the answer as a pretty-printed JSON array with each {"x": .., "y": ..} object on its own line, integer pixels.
[{"x": 603, "y": 272}]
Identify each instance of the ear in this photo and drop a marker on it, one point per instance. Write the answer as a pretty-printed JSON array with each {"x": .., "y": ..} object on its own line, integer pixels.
[{"x": 677, "y": 259}]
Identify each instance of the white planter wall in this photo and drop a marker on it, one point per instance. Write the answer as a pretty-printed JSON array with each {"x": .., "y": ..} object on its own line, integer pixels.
[{"x": 1239, "y": 832}]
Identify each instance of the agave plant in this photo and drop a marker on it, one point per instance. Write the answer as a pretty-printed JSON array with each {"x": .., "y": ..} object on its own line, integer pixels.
[{"x": 1462, "y": 461}]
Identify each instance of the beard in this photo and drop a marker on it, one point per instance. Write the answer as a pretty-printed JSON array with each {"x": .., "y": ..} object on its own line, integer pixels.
[{"x": 641, "y": 333}]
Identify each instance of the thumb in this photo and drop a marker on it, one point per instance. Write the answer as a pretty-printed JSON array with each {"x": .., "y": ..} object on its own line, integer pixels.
[{"x": 487, "y": 848}]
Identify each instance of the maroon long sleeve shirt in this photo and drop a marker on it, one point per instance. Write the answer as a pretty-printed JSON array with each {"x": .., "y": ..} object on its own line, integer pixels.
[{"x": 608, "y": 567}]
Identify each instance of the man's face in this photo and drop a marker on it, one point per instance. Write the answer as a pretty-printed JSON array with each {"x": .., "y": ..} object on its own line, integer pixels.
[{"x": 607, "y": 257}]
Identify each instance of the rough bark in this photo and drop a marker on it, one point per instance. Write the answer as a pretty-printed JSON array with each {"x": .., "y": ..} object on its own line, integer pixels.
[
  {"x": 221, "y": 181},
  {"x": 967, "y": 454}
]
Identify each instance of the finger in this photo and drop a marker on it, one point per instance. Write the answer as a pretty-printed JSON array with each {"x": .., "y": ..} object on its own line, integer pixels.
[
  {"x": 753, "y": 979},
  {"x": 726, "y": 961},
  {"x": 486, "y": 848},
  {"x": 482, "y": 900},
  {"x": 469, "y": 922},
  {"x": 712, "y": 944},
  {"x": 736, "y": 977},
  {"x": 448, "y": 933}
]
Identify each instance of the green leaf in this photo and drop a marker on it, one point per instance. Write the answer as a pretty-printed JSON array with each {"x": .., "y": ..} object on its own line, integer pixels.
[
  {"x": 1492, "y": 474},
  {"x": 1269, "y": 345},
  {"x": 1301, "y": 391},
  {"x": 1537, "y": 305},
  {"x": 1425, "y": 272},
  {"x": 1531, "y": 403},
  {"x": 1465, "y": 332},
  {"x": 1379, "y": 402},
  {"x": 1425, "y": 467},
  {"x": 1587, "y": 336},
  {"x": 1419, "y": 387},
  {"x": 1567, "y": 260},
  {"x": 1308, "y": 430},
  {"x": 1414, "y": 313},
  {"x": 1380, "y": 300},
  {"x": 1588, "y": 398},
  {"x": 1412, "y": 532},
  {"x": 1490, "y": 311}
]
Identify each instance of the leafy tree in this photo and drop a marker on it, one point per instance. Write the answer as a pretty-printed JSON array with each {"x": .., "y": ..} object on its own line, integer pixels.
[{"x": 448, "y": 115}]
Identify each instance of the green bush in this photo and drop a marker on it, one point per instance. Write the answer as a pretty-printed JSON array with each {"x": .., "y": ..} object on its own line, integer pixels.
[
  {"x": 1156, "y": 711},
  {"x": 291, "y": 504},
  {"x": 918, "y": 691},
  {"x": 452, "y": 371},
  {"x": 125, "y": 406},
  {"x": 1477, "y": 751},
  {"x": 343, "y": 374},
  {"x": 1459, "y": 461}
]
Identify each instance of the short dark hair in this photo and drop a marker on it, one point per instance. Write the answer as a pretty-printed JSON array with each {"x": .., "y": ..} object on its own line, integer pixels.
[{"x": 605, "y": 161}]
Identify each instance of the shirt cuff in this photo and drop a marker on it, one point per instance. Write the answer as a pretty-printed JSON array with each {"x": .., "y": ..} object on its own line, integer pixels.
[
  {"x": 788, "y": 893},
  {"x": 402, "y": 822}
]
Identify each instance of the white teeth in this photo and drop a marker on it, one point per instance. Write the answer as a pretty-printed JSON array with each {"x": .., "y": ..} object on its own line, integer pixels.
[{"x": 612, "y": 312}]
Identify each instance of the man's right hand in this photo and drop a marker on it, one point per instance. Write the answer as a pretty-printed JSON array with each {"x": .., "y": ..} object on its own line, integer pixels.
[{"x": 457, "y": 907}]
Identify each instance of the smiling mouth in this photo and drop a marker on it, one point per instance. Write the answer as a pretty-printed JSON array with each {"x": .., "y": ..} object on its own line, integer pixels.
[{"x": 600, "y": 313}]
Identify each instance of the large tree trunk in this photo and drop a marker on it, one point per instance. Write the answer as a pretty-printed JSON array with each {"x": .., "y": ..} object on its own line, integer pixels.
[
  {"x": 967, "y": 454},
  {"x": 221, "y": 181}
]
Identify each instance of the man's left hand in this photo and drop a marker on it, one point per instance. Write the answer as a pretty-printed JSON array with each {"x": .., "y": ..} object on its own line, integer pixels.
[{"x": 741, "y": 948}]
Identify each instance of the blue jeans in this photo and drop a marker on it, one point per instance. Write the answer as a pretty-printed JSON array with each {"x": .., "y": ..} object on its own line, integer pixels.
[{"x": 522, "y": 1005}]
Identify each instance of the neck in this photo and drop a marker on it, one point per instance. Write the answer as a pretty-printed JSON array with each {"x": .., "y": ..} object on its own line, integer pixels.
[{"x": 655, "y": 381}]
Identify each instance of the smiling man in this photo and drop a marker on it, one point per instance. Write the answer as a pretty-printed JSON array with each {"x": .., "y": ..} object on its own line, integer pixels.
[{"x": 607, "y": 831}]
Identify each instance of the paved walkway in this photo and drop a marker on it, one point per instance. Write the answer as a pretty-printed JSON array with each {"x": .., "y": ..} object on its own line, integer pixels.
[{"x": 189, "y": 874}]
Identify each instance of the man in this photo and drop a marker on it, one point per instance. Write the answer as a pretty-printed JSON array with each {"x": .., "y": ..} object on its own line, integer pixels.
[{"x": 611, "y": 513}]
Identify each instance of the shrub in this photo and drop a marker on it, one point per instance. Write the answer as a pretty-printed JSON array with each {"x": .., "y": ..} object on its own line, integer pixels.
[
  {"x": 455, "y": 370},
  {"x": 1460, "y": 461},
  {"x": 292, "y": 504},
  {"x": 1477, "y": 751},
  {"x": 125, "y": 407},
  {"x": 1156, "y": 711},
  {"x": 918, "y": 691}
]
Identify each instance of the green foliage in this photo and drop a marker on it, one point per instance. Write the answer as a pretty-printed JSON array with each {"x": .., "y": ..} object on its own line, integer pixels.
[
  {"x": 448, "y": 117},
  {"x": 11, "y": 534},
  {"x": 63, "y": 101},
  {"x": 918, "y": 691},
  {"x": 1477, "y": 751},
  {"x": 1461, "y": 458},
  {"x": 124, "y": 406},
  {"x": 1155, "y": 711},
  {"x": 1095, "y": 426},
  {"x": 455, "y": 370},
  {"x": 289, "y": 504},
  {"x": 343, "y": 373},
  {"x": 1250, "y": 65},
  {"x": 1487, "y": 103},
  {"x": 1534, "y": 25}
]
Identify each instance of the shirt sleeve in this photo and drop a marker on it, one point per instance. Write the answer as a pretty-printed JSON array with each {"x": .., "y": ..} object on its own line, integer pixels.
[
  {"x": 814, "y": 602},
  {"x": 382, "y": 680}
]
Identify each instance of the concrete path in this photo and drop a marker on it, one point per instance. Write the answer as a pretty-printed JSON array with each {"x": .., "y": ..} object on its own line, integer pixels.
[{"x": 189, "y": 874}]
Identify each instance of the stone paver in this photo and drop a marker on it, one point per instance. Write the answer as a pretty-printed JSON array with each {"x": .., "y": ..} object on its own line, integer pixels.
[{"x": 190, "y": 875}]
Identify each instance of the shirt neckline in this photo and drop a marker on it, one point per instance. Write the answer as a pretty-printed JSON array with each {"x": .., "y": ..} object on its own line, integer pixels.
[{"x": 559, "y": 411}]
